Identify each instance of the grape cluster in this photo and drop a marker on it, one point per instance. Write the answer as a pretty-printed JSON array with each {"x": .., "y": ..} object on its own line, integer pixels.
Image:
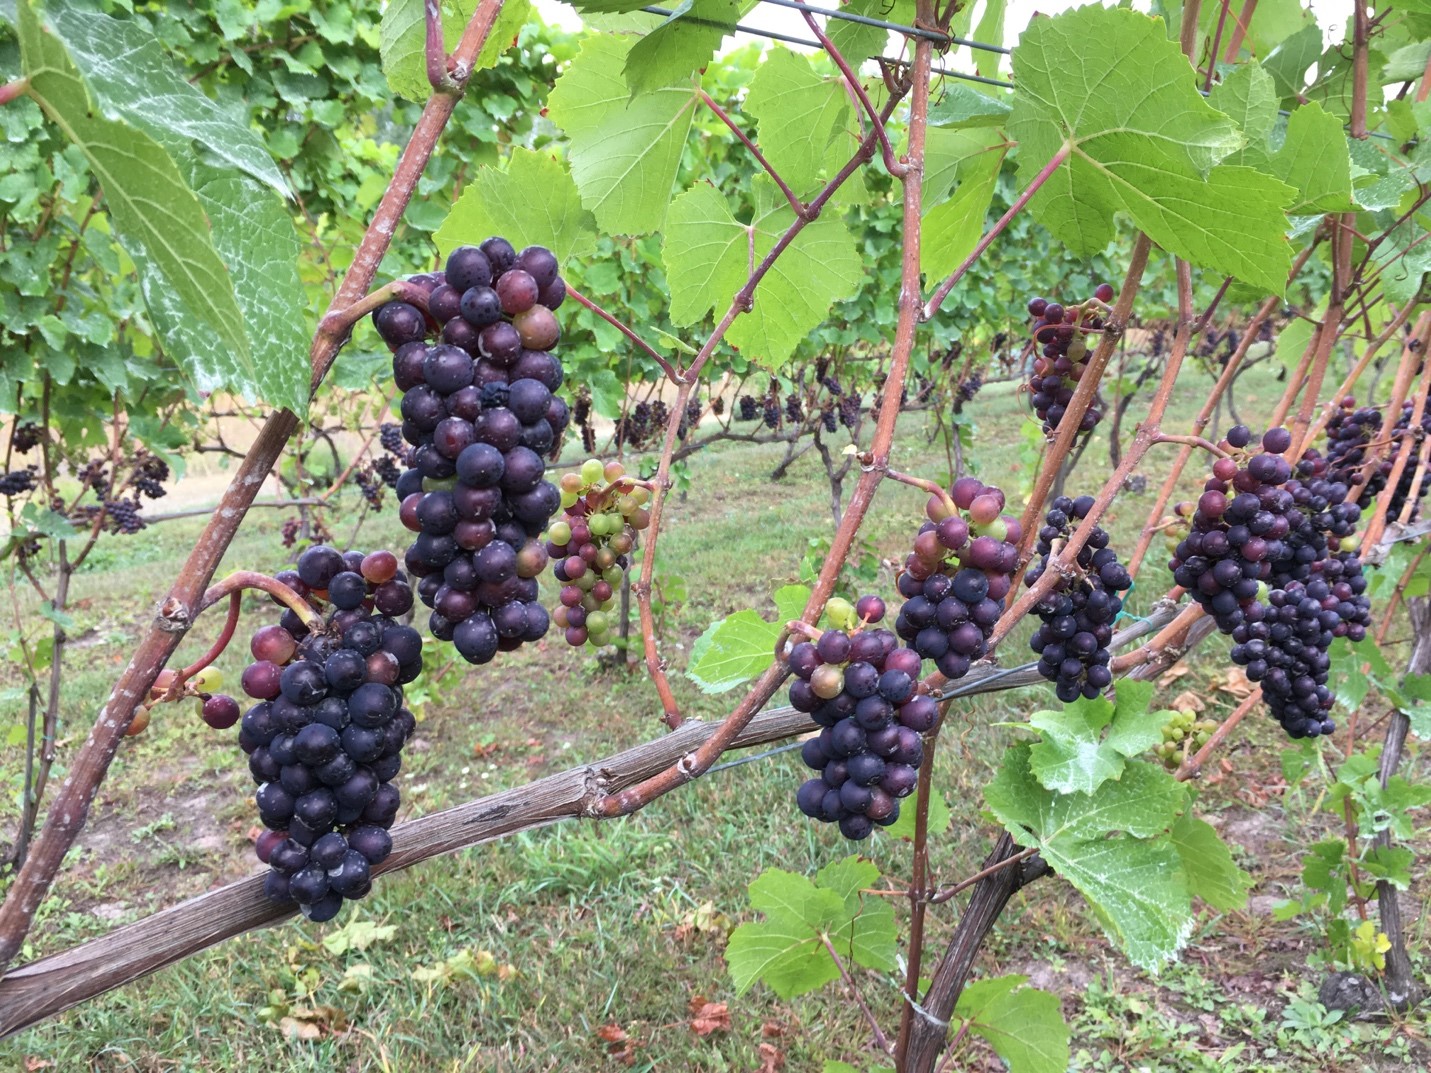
[
  {"x": 25, "y": 436},
  {"x": 122, "y": 516},
  {"x": 1076, "y": 617},
  {"x": 1351, "y": 430},
  {"x": 1265, "y": 558},
  {"x": 325, "y": 738},
  {"x": 479, "y": 411},
  {"x": 955, "y": 580},
  {"x": 861, "y": 687},
  {"x": 968, "y": 387},
  {"x": 634, "y": 429},
  {"x": 18, "y": 482},
  {"x": 850, "y": 410},
  {"x": 591, "y": 544},
  {"x": 748, "y": 408},
  {"x": 1183, "y": 734},
  {"x": 1061, "y": 333}
]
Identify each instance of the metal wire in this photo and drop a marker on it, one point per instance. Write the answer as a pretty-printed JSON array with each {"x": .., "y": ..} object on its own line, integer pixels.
[{"x": 863, "y": 20}]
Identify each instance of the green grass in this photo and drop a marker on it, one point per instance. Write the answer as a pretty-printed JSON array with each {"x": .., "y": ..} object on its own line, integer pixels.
[{"x": 512, "y": 956}]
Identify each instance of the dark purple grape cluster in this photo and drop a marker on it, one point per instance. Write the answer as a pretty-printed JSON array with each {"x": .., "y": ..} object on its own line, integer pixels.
[
  {"x": 1076, "y": 617},
  {"x": 122, "y": 516},
  {"x": 862, "y": 688},
  {"x": 25, "y": 436},
  {"x": 955, "y": 580},
  {"x": 748, "y": 409},
  {"x": 828, "y": 419},
  {"x": 771, "y": 412},
  {"x": 1350, "y": 432},
  {"x": 1061, "y": 335},
  {"x": 850, "y": 411},
  {"x": 18, "y": 482},
  {"x": 479, "y": 410},
  {"x": 325, "y": 738},
  {"x": 1266, "y": 559},
  {"x": 968, "y": 387}
]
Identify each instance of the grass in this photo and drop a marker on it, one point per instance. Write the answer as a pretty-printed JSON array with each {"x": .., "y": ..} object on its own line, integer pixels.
[{"x": 582, "y": 946}]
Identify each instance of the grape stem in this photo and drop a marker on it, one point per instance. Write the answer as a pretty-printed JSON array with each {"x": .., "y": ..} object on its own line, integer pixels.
[
  {"x": 434, "y": 48},
  {"x": 231, "y": 621},
  {"x": 627, "y": 331},
  {"x": 339, "y": 322},
  {"x": 14, "y": 89},
  {"x": 932, "y": 487},
  {"x": 795, "y": 204},
  {"x": 803, "y": 628},
  {"x": 1192, "y": 441},
  {"x": 70, "y": 810}
]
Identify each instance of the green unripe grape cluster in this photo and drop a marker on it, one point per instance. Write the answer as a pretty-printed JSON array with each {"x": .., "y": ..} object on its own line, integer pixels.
[{"x": 1183, "y": 735}]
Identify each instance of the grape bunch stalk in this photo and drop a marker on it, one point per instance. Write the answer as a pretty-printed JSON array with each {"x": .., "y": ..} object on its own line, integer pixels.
[
  {"x": 1060, "y": 335},
  {"x": 862, "y": 688},
  {"x": 955, "y": 579},
  {"x": 1076, "y": 616},
  {"x": 325, "y": 736},
  {"x": 479, "y": 410},
  {"x": 591, "y": 544}
]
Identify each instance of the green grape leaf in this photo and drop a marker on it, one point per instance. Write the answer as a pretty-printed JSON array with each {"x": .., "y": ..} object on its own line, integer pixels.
[
  {"x": 959, "y": 105},
  {"x": 1024, "y": 1025},
  {"x": 1112, "y": 845},
  {"x": 683, "y": 44},
  {"x": 952, "y": 229},
  {"x": 1211, "y": 872},
  {"x": 951, "y": 155},
  {"x": 158, "y": 218},
  {"x": 738, "y": 647},
  {"x": 147, "y": 89},
  {"x": 1314, "y": 161},
  {"x": 624, "y": 151},
  {"x": 866, "y": 934},
  {"x": 1248, "y": 97},
  {"x": 1289, "y": 61},
  {"x": 1107, "y": 85},
  {"x": 939, "y": 817},
  {"x": 787, "y": 950},
  {"x": 798, "y": 112},
  {"x": 709, "y": 255},
  {"x": 858, "y": 42},
  {"x": 402, "y": 40},
  {"x": 1389, "y": 863},
  {"x": 1074, "y": 756},
  {"x": 991, "y": 30},
  {"x": 532, "y": 201},
  {"x": 1403, "y": 257}
]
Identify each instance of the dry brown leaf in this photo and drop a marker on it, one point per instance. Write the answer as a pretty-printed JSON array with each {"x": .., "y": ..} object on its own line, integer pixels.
[
  {"x": 1188, "y": 701},
  {"x": 618, "y": 1044},
  {"x": 294, "y": 1028},
  {"x": 1236, "y": 682},
  {"x": 772, "y": 1059},
  {"x": 1171, "y": 675},
  {"x": 33, "y": 1063},
  {"x": 612, "y": 1033},
  {"x": 772, "y": 1030},
  {"x": 709, "y": 1017}
]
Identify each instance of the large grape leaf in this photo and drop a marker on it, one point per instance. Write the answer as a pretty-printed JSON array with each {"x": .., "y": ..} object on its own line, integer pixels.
[
  {"x": 532, "y": 201},
  {"x": 249, "y": 226},
  {"x": 1024, "y": 1025},
  {"x": 683, "y": 44},
  {"x": 1211, "y": 872},
  {"x": 959, "y": 105},
  {"x": 787, "y": 950},
  {"x": 158, "y": 218},
  {"x": 1248, "y": 97},
  {"x": 624, "y": 150},
  {"x": 798, "y": 112},
  {"x": 738, "y": 647},
  {"x": 1112, "y": 845},
  {"x": 857, "y": 41},
  {"x": 402, "y": 40},
  {"x": 132, "y": 79},
  {"x": 991, "y": 31},
  {"x": 1075, "y": 756},
  {"x": 950, "y": 154},
  {"x": 709, "y": 255},
  {"x": 1108, "y": 86}
]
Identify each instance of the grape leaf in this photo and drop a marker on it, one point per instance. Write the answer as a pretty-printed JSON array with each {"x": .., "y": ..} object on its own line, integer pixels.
[
  {"x": 856, "y": 41},
  {"x": 787, "y": 949},
  {"x": 158, "y": 218},
  {"x": 960, "y": 106},
  {"x": 952, "y": 229},
  {"x": 709, "y": 255},
  {"x": 1389, "y": 863},
  {"x": 798, "y": 112},
  {"x": 1112, "y": 845},
  {"x": 132, "y": 79},
  {"x": 1288, "y": 62},
  {"x": 1248, "y": 98},
  {"x": 1074, "y": 756},
  {"x": 1314, "y": 160},
  {"x": 624, "y": 151},
  {"x": 402, "y": 40},
  {"x": 1211, "y": 872},
  {"x": 1108, "y": 85},
  {"x": 991, "y": 31},
  {"x": 532, "y": 200},
  {"x": 1403, "y": 257},
  {"x": 738, "y": 647},
  {"x": 1024, "y": 1025},
  {"x": 683, "y": 44},
  {"x": 951, "y": 154}
]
